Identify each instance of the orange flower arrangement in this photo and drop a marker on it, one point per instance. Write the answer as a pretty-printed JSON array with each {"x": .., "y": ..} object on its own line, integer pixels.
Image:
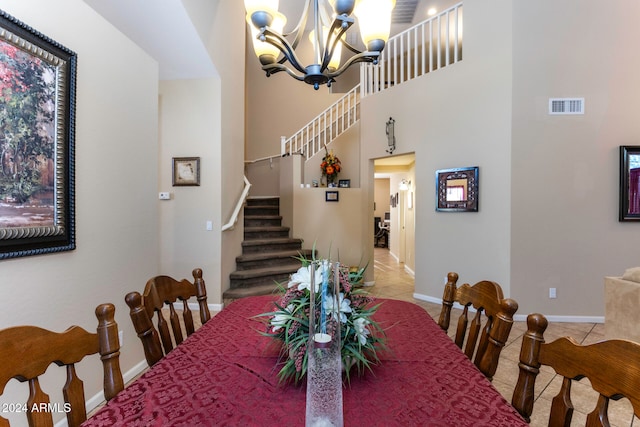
[{"x": 330, "y": 166}]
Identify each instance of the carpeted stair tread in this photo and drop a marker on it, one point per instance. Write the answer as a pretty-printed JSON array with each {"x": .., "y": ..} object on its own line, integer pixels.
[
  {"x": 275, "y": 241},
  {"x": 266, "y": 271},
  {"x": 266, "y": 289},
  {"x": 258, "y": 256},
  {"x": 258, "y": 228}
]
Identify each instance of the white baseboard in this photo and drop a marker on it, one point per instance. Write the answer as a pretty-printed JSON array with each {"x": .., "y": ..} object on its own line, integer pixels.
[
  {"x": 564, "y": 319},
  {"x": 523, "y": 317},
  {"x": 410, "y": 271},
  {"x": 98, "y": 398}
]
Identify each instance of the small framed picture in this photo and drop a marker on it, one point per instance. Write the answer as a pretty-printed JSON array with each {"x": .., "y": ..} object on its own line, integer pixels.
[
  {"x": 186, "y": 171},
  {"x": 331, "y": 196},
  {"x": 344, "y": 183}
]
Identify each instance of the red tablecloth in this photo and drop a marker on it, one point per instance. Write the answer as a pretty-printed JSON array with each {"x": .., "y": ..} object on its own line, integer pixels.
[{"x": 225, "y": 375}]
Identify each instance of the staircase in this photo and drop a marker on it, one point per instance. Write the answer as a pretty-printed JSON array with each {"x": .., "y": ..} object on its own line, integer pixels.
[{"x": 267, "y": 251}]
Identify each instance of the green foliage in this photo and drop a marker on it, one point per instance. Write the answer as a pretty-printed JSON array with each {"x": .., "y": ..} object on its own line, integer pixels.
[
  {"x": 27, "y": 121},
  {"x": 288, "y": 323}
]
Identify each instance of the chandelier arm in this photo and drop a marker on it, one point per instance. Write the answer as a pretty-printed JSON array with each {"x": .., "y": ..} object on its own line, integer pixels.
[
  {"x": 276, "y": 68},
  {"x": 283, "y": 45},
  {"x": 351, "y": 48},
  {"x": 341, "y": 25},
  {"x": 361, "y": 57},
  {"x": 302, "y": 22},
  {"x": 299, "y": 29}
]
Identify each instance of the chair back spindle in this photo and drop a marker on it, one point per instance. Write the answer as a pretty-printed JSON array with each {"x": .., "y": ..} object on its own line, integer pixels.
[
  {"x": 163, "y": 292},
  {"x": 26, "y": 352},
  {"x": 612, "y": 367},
  {"x": 481, "y": 344}
]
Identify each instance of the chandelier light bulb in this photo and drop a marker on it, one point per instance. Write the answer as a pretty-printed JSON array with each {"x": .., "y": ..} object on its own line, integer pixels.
[
  {"x": 374, "y": 18},
  {"x": 266, "y": 52}
]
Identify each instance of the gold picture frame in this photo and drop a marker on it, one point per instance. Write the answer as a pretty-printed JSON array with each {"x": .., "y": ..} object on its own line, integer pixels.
[{"x": 186, "y": 171}]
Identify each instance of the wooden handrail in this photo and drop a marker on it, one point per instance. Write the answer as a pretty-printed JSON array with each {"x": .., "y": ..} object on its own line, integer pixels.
[{"x": 234, "y": 217}]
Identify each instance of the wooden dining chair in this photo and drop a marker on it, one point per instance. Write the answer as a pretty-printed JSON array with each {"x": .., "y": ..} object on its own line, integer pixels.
[
  {"x": 27, "y": 351},
  {"x": 483, "y": 343},
  {"x": 161, "y": 291},
  {"x": 612, "y": 367}
]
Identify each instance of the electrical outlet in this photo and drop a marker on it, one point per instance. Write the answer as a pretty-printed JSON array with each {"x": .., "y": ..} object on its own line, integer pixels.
[
  {"x": 164, "y": 195},
  {"x": 121, "y": 337},
  {"x": 552, "y": 292}
]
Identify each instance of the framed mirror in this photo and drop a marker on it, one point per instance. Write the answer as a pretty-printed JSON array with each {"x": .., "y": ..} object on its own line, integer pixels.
[
  {"x": 629, "y": 183},
  {"x": 457, "y": 190}
]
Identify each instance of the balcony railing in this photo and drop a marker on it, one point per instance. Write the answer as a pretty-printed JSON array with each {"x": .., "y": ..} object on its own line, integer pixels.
[{"x": 426, "y": 47}]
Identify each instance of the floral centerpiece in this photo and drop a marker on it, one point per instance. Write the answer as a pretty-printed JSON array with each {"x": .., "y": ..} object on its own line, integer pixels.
[
  {"x": 330, "y": 166},
  {"x": 288, "y": 323}
]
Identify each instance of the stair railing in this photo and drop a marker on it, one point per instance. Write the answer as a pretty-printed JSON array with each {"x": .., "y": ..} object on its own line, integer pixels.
[
  {"x": 325, "y": 127},
  {"x": 425, "y": 47},
  {"x": 234, "y": 216}
]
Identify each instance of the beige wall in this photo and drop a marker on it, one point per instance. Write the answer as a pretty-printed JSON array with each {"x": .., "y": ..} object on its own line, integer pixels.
[
  {"x": 382, "y": 193},
  {"x": 228, "y": 58},
  {"x": 116, "y": 192},
  {"x": 334, "y": 228},
  {"x": 455, "y": 117},
  {"x": 347, "y": 148},
  {"x": 402, "y": 218},
  {"x": 564, "y": 211},
  {"x": 530, "y": 233},
  {"x": 190, "y": 126}
]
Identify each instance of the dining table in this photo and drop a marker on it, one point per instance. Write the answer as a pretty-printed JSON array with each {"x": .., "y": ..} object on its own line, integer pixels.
[{"x": 226, "y": 374}]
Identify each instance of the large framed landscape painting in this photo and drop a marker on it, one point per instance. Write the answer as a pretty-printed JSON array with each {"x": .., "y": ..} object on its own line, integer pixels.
[{"x": 37, "y": 113}]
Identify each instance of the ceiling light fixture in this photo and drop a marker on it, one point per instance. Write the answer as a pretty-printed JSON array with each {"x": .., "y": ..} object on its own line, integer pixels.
[{"x": 331, "y": 18}]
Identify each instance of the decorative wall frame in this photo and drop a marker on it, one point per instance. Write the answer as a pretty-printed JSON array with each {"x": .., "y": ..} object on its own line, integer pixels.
[
  {"x": 457, "y": 190},
  {"x": 186, "y": 171},
  {"x": 331, "y": 196},
  {"x": 37, "y": 167},
  {"x": 629, "y": 183}
]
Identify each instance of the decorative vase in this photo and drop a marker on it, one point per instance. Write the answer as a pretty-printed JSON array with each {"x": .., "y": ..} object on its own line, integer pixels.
[{"x": 324, "y": 362}]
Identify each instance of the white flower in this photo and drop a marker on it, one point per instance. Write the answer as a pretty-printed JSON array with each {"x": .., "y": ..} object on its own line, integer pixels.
[
  {"x": 302, "y": 279},
  {"x": 360, "y": 325},
  {"x": 279, "y": 320},
  {"x": 344, "y": 306}
]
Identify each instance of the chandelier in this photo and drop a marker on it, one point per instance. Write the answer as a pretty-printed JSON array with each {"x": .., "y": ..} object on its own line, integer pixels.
[{"x": 331, "y": 20}]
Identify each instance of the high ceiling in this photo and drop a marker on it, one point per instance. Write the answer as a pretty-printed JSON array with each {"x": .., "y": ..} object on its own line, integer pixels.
[{"x": 166, "y": 31}]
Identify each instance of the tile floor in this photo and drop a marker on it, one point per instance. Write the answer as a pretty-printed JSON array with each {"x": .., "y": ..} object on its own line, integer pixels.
[{"x": 392, "y": 281}]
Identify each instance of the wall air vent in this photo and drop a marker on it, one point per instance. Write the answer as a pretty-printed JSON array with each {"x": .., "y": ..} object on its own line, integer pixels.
[{"x": 566, "y": 105}]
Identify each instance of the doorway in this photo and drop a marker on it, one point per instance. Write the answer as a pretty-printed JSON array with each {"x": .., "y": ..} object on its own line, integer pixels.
[{"x": 394, "y": 208}]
